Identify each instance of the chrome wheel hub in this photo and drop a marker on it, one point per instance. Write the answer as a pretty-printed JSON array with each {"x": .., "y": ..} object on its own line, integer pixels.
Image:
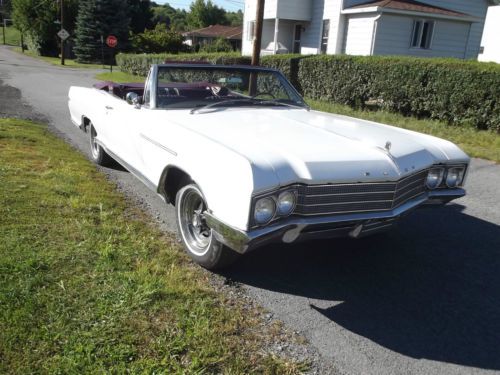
[{"x": 196, "y": 234}]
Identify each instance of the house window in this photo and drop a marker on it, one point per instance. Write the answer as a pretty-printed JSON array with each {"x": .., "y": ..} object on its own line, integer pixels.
[
  {"x": 422, "y": 34},
  {"x": 324, "y": 36},
  {"x": 250, "y": 30}
]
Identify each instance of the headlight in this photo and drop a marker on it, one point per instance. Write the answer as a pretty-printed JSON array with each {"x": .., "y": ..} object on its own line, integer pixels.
[
  {"x": 264, "y": 210},
  {"x": 455, "y": 177},
  {"x": 434, "y": 178},
  {"x": 286, "y": 202}
]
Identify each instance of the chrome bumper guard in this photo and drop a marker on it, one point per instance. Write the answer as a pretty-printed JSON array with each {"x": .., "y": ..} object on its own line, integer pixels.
[{"x": 293, "y": 229}]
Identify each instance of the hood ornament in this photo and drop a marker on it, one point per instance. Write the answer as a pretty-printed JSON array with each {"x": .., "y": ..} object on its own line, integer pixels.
[{"x": 388, "y": 145}]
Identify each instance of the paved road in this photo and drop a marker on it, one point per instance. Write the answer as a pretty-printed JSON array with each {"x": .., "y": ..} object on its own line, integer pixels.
[{"x": 422, "y": 300}]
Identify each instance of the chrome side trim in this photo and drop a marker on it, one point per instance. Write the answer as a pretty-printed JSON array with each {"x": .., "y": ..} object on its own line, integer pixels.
[
  {"x": 158, "y": 144},
  {"x": 131, "y": 169}
]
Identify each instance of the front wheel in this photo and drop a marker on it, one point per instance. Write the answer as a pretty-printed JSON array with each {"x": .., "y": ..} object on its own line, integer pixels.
[{"x": 195, "y": 234}]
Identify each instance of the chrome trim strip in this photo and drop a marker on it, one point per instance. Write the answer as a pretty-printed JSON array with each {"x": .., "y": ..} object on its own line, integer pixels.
[
  {"x": 334, "y": 194},
  {"x": 131, "y": 169},
  {"x": 338, "y": 203},
  {"x": 158, "y": 144}
]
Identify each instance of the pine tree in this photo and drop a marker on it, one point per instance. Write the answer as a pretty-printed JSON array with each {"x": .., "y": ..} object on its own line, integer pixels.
[{"x": 98, "y": 19}]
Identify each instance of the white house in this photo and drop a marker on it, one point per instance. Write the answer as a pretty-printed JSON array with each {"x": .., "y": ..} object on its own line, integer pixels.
[
  {"x": 447, "y": 28},
  {"x": 490, "y": 45}
]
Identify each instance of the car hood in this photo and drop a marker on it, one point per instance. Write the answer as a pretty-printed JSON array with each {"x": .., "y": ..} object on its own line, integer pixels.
[{"x": 316, "y": 147}]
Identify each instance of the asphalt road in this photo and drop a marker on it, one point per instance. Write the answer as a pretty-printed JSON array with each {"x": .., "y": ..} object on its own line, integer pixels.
[{"x": 424, "y": 299}]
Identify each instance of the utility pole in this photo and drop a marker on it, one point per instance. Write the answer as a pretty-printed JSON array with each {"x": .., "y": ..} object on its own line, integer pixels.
[
  {"x": 259, "y": 20},
  {"x": 257, "y": 40},
  {"x": 62, "y": 28}
]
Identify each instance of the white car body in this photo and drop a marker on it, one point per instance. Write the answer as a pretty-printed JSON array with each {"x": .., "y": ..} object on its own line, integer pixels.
[{"x": 236, "y": 154}]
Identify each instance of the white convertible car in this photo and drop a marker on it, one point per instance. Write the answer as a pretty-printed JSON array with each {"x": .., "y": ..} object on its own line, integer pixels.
[{"x": 245, "y": 161}]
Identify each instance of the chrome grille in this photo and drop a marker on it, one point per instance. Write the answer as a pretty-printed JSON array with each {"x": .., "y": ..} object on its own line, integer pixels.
[{"x": 360, "y": 197}]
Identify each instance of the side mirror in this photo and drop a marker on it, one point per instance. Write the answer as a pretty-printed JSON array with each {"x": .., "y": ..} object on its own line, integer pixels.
[{"x": 132, "y": 98}]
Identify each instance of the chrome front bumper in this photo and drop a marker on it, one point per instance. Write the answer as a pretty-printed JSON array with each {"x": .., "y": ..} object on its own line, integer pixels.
[{"x": 293, "y": 229}]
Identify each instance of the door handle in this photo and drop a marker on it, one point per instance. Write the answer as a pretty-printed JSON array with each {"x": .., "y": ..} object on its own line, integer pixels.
[{"x": 108, "y": 107}]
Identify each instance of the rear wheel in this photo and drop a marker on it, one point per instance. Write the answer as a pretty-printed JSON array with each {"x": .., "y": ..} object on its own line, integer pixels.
[
  {"x": 195, "y": 234},
  {"x": 99, "y": 156}
]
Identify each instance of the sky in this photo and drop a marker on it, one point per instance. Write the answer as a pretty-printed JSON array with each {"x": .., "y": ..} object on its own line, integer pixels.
[{"x": 231, "y": 5}]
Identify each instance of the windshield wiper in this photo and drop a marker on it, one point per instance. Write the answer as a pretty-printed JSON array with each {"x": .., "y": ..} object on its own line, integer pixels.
[
  {"x": 227, "y": 101},
  {"x": 276, "y": 101}
]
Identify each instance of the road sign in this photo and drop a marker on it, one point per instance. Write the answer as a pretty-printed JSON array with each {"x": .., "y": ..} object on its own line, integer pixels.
[
  {"x": 111, "y": 41},
  {"x": 63, "y": 34}
]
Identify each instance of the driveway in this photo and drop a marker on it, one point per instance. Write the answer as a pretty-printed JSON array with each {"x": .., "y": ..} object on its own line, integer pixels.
[{"x": 424, "y": 299}]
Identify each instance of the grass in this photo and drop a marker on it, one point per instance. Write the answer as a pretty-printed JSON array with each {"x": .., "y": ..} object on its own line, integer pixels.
[
  {"x": 480, "y": 144},
  {"x": 118, "y": 76},
  {"x": 68, "y": 63},
  {"x": 12, "y": 36},
  {"x": 88, "y": 286}
]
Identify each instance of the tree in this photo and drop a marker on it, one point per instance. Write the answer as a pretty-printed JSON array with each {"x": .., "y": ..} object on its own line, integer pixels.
[
  {"x": 158, "y": 40},
  {"x": 36, "y": 20},
  {"x": 235, "y": 18},
  {"x": 174, "y": 19},
  {"x": 140, "y": 14},
  {"x": 97, "y": 19},
  {"x": 217, "y": 45},
  {"x": 203, "y": 14}
]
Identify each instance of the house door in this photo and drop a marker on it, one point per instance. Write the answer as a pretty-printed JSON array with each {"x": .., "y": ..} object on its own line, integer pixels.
[{"x": 296, "y": 38}]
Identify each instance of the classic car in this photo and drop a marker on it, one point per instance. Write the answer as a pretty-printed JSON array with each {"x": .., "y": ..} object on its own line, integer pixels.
[{"x": 246, "y": 162}]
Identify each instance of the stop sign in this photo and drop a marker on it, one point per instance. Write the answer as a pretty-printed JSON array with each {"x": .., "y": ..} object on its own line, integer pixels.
[{"x": 111, "y": 41}]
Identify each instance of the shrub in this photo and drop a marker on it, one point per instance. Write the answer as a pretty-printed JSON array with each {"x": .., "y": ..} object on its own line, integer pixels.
[
  {"x": 287, "y": 64},
  {"x": 157, "y": 40},
  {"x": 139, "y": 64},
  {"x": 217, "y": 45},
  {"x": 459, "y": 92}
]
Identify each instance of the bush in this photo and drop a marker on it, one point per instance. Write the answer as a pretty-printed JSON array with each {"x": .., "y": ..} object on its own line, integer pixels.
[
  {"x": 459, "y": 92},
  {"x": 140, "y": 64},
  {"x": 287, "y": 64},
  {"x": 158, "y": 40},
  {"x": 217, "y": 45}
]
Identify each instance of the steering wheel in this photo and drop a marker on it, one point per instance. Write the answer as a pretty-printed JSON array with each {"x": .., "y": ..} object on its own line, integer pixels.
[{"x": 263, "y": 93}]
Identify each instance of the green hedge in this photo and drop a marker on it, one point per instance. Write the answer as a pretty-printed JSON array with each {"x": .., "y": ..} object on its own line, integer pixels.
[
  {"x": 139, "y": 64},
  {"x": 464, "y": 93}
]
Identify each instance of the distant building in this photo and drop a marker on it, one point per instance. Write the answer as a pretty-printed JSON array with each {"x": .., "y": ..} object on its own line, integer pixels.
[
  {"x": 427, "y": 28},
  {"x": 209, "y": 34},
  {"x": 490, "y": 45}
]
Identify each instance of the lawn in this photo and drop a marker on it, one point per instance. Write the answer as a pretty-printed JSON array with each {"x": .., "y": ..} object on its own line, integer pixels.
[
  {"x": 12, "y": 36},
  {"x": 89, "y": 285}
]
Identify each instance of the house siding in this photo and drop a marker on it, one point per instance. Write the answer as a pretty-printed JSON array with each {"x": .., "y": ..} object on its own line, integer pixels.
[
  {"x": 392, "y": 41},
  {"x": 394, "y": 36},
  {"x": 476, "y": 8},
  {"x": 311, "y": 37},
  {"x": 359, "y": 35},
  {"x": 297, "y": 10}
]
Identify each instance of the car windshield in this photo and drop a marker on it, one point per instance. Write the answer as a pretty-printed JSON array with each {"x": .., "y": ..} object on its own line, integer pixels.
[{"x": 215, "y": 87}]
